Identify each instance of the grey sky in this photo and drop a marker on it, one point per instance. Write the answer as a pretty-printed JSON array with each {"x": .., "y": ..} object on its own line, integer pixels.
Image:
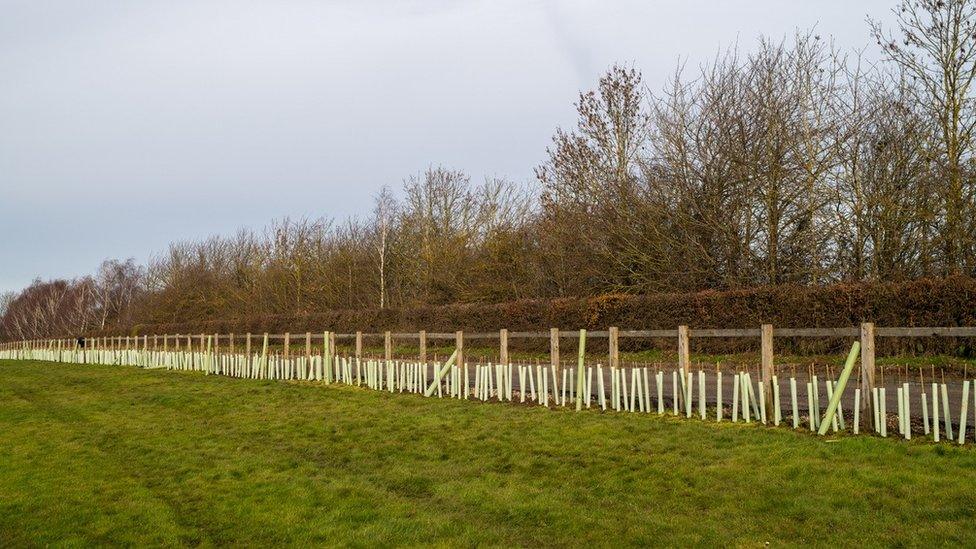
[{"x": 127, "y": 125}]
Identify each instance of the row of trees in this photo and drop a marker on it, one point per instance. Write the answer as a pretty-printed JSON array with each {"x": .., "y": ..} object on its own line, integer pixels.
[
  {"x": 444, "y": 241},
  {"x": 70, "y": 307},
  {"x": 795, "y": 163}
]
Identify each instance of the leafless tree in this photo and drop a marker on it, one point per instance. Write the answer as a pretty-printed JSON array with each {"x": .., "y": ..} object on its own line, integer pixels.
[
  {"x": 935, "y": 45},
  {"x": 383, "y": 214}
]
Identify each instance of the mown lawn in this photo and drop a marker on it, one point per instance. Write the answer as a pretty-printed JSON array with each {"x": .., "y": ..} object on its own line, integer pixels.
[{"x": 116, "y": 455}]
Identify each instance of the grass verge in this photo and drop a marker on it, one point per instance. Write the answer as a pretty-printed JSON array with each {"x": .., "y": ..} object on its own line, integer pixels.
[{"x": 115, "y": 455}]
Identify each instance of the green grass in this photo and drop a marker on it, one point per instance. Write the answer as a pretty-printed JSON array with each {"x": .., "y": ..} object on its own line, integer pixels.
[{"x": 115, "y": 455}]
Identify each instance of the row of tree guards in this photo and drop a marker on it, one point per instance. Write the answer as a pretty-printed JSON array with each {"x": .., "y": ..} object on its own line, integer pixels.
[{"x": 630, "y": 389}]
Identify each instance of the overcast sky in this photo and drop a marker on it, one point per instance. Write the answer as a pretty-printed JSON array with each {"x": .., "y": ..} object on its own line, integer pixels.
[{"x": 127, "y": 125}]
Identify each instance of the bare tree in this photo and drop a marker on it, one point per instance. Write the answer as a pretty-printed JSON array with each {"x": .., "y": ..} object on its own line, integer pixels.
[
  {"x": 591, "y": 187},
  {"x": 55, "y": 308},
  {"x": 383, "y": 214},
  {"x": 6, "y": 298},
  {"x": 936, "y": 47},
  {"x": 117, "y": 285}
]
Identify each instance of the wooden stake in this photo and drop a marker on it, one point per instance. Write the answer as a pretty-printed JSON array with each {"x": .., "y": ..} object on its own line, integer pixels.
[
  {"x": 459, "y": 346},
  {"x": 767, "y": 363},
  {"x": 423, "y": 346},
  {"x": 867, "y": 373},
  {"x": 503, "y": 346},
  {"x": 614, "y": 346},
  {"x": 554, "y": 352}
]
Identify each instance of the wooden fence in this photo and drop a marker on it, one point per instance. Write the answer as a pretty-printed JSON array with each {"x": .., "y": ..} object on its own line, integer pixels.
[{"x": 766, "y": 334}]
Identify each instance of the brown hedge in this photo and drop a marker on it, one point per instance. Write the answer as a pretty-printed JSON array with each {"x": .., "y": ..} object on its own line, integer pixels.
[{"x": 925, "y": 302}]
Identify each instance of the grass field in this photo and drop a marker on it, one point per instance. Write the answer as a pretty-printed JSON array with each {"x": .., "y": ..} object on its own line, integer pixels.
[{"x": 117, "y": 455}]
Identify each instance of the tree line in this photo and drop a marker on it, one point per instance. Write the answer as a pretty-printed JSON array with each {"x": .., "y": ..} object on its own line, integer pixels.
[{"x": 792, "y": 163}]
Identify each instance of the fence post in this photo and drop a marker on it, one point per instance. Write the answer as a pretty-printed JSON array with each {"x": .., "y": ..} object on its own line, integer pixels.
[
  {"x": 459, "y": 343},
  {"x": 684, "y": 364},
  {"x": 554, "y": 347},
  {"x": 423, "y": 346},
  {"x": 327, "y": 352},
  {"x": 387, "y": 346},
  {"x": 613, "y": 346},
  {"x": 767, "y": 364},
  {"x": 867, "y": 375},
  {"x": 232, "y": 346},
  {"x": 503, "y": 346},
  {"x": 684, "y": 350},
  {"x": 287, "y": 344},
  {"x": 210, "y": 359},
  {"x": 247, "y": 345},
  {"x": 359, "y": 346}
]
